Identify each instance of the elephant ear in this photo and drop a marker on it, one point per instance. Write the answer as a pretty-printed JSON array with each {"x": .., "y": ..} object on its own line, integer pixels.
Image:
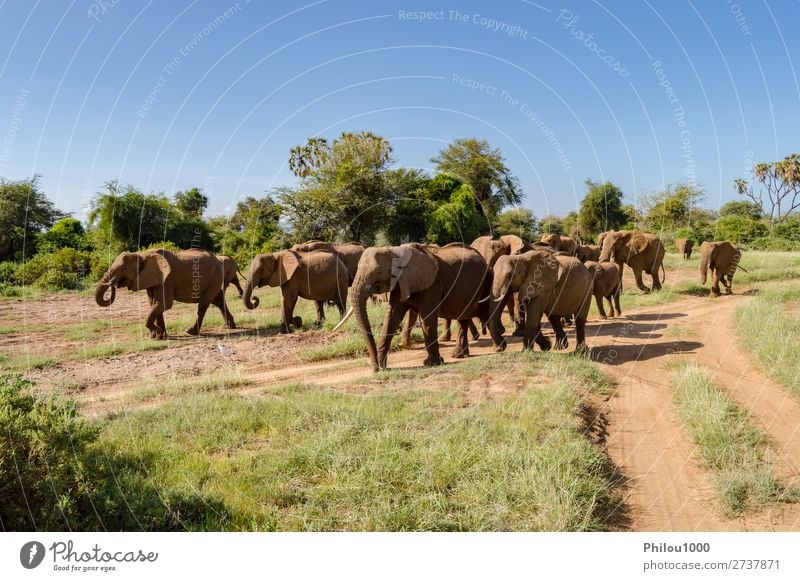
[
  {"x": 413, "y": 270},
  {"x": 153, "y": 270},
  {"x": 541, "y": 276},
  {"x": 638, "y": 243},
  {"x": 516, "y": 245},
  {"x": 287, "y": 262}
]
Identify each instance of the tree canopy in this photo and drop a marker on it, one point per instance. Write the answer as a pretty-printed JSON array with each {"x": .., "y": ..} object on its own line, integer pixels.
[
  {"x": 601, "y": 209},
  {"x": 475, "y": 162},
  {"x": 25, "y": 211}
]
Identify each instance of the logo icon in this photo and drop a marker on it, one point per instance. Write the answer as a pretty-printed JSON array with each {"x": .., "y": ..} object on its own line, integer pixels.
[{"x": 31, "y": 554}]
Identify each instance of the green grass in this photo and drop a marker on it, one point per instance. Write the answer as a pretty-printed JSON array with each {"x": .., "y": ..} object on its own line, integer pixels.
[
  {"x": 183, "y": 386},
  {"x": 735, "y": 451},
  {"x": 406, "y": 458},
  {"x": 113, "y": 349},
  {"x": 27, "y": 362},
  {"x": 93, "y": 329},
  {"x": 764, "y": 328}
]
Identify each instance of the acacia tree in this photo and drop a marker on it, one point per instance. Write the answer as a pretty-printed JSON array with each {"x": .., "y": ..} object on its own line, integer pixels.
[
  {"x": 476, "y": 163},
  {"x": 342, "y": 193},
  {"x": 25, "y": 211},
  {"x": 780, "y": 181}
]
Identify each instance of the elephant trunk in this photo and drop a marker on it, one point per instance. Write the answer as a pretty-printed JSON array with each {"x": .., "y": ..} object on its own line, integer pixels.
[
  {"x": 250, "y": 301},
  {"x": 704, "y": 267},
  {"x": 359, "y": 294},
  {"x": 100, "y": 292}
]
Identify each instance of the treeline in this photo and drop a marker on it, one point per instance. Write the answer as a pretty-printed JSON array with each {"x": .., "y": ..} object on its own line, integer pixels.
[{"x": 350, "y": 190}]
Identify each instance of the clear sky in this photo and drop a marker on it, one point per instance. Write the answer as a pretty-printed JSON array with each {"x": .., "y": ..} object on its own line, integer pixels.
[{"x": 171, "y": 95}]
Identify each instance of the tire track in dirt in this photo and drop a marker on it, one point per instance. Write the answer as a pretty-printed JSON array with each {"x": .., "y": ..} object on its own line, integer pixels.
[{"x": 668, "y": 488}]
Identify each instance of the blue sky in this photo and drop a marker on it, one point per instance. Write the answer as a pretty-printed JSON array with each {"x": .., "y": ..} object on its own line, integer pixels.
[{"x": 172, "y": 95}]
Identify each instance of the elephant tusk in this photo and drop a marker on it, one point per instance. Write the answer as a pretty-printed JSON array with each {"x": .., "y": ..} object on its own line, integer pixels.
[
  {"x": 484, "y": 299},
  {"x": 344, "y": 319}
]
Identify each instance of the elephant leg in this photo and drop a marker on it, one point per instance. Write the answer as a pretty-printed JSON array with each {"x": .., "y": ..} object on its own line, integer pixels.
[
  {"x": 729, "y": 285},
  {"x": 320, "y": 313},
  {"x": 201, "y": 312},
  {"x": 288, "y": 303},
  {"x": 715, "y": 283},
  {"x": 598, "y": 298},
  {"x": 580, "y": 334},
  {"x": 533, "y": 329},
  {"x": 447, "y": 335},
  {"x": 405, "y": 338},
  {"x": 161, "y": 324},
  {"x": 519, "y": 319},
  {"x": 637, "y": 274},
  {"x": 474, "y": 330},
  {"x": 429, "y": 330},
  {"x": 156, "y": 313},
  {"x": 462, "y": 344},
  {"x": 561, "y": 335},
  {"x": 219, "y": 302},
  {"x": 615, "y": 296},
  {"x": 656, "y": 281},
  {"x": 390, "y": 324}
]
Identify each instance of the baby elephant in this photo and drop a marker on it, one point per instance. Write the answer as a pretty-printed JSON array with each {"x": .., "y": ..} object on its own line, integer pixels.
[{"x": 606, "y": 286}]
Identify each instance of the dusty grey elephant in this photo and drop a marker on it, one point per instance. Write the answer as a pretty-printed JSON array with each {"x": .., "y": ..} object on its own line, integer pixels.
[
  {"x": 317, "y": 276},
  {"x": 642, "y": 251},
  {"x": 548, "y": 283},
  {"x": 607, "y": 285},
  {"x": 685, "y": 246},
  {"x": 584, "y": 252},
  {"x": 230, "y": 273},
  {"x": 560, "y": 243},
  {"x": 447, "y": 282},
  {"x": 188, "y": 276},
  {"x": 349, "y": 253},
  {"x": 723, "y": 260}
]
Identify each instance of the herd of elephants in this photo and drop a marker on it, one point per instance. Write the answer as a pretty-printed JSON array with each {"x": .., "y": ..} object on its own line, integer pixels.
[{"x": 555, "y": 277}]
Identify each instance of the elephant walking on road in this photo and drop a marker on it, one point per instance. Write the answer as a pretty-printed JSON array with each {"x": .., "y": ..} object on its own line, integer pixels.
[
  {"x": 606, "y": 285},
  {"x": 685, "y": 246},
  {"x": 317, "y": 276},
  {"x": 723, "y": 260},
  {"x": 642, "y": 251},
  {"x": 188, "y": 276}
]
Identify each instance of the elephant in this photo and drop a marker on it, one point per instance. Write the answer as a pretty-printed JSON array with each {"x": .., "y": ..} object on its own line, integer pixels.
[
  {"x": 317, "y": 276},
  {"x": 548, "y": 283},
  {"x": 584, "y": 252},
  {"x": 188, "y": 276},
  {"x": 230, "y": 273},
  {"x": 607, "y": 285},
  {"x": 448, "y": 282},
  {"x": 349, "y": 253},
  {"x": 641, "y": 251},
  {"x": 723, "y": 260},
  {"x": 685, "y": 246},
  {"x": 560, "y": 243}
]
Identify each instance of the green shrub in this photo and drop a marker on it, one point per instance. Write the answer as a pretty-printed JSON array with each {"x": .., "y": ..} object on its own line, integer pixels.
[
  {"x": 789, "y": 229},
  {"x": 775, "y": 244},
  {"x": 165, "y": 245},
  {"x": 8, "y": 271},
  {"x": 739, "y": 229},
  {"x": 63, "y": 269},
  {"x": 54, "y": 475},
  {"x": 42, "y": 473}
]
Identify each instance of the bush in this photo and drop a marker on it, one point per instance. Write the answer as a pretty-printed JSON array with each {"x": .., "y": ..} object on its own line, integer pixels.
[
  {"x": 55, "y": 476},
  {"x": 166, "y": 245},
  {"x": 42, "y": 473},
  {"x": 789, "y": 229},
  {"x": 63, "y": 269},
  {"x": 739, "y": 229},
  {"x": 775, "y": 244}
]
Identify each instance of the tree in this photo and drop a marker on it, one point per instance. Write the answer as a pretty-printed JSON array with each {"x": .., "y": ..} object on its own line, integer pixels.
[
  {"x": 123, "y": 218},
  {"x": 191, "y": 204},
  {"x": 739, "y": 229},
  {"x": 551, "y": 224},
  {"x": 601, "y": 209},
  {"x": 342, "y": 193},
  {"x": 414, "y": 196},
  {"x": 474, "y": 162},
  {"x": 25, "y": 211},
  {"x": 457, "y": 220},
  {"x": 519, "y": 221},
  {"x": 741, "y": 208},
  {"x": 252, "y": 228},
  {"x": 672, "y": 208},
  {"x": 780, "y": 180},
  {"x": 570, "y": 225},
  {"x": 66, "y": 233}
]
